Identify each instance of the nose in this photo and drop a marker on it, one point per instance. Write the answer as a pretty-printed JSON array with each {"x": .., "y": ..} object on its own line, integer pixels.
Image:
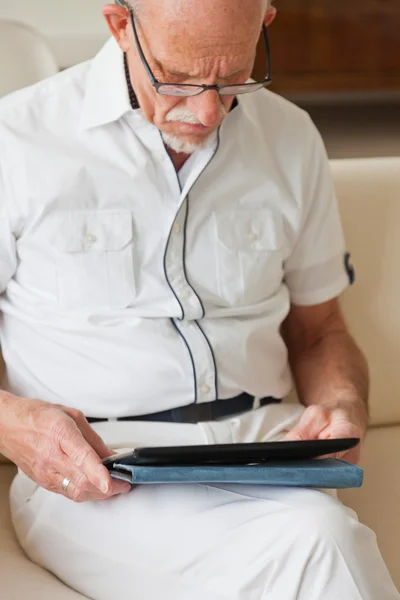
[{"x": 207, "y": 107}]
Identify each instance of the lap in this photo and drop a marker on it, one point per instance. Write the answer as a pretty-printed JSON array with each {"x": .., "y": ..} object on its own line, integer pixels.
[
  {"x": 197, "y": 541},
  {"x": 236, "y": 542}
]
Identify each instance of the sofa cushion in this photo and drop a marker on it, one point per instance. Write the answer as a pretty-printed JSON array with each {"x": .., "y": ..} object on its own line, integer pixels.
[
  {"x": 377, "y": 502},
  {"x": 19, "y": 577},
  {"x": 72, "y": 40},
  {"x": 369, "y": 197}
]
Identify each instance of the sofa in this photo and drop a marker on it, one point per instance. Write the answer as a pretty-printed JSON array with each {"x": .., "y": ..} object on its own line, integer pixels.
[
  {"x": 369, "y": 196},
  {"x": 74, "y": 32}
]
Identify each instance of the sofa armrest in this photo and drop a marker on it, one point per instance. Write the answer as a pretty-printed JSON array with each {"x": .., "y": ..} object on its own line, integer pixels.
[{"x": 377, "y": 501}]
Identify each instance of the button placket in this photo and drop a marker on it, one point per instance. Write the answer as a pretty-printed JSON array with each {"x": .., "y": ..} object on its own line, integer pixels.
[
  {"x": 205, "y": 389},
  {"x": 202, "y": 358},
  {"x": 177, "y": 228},
  {"x": 205, "y": 376},
  {"x": 174, "y": 265}
]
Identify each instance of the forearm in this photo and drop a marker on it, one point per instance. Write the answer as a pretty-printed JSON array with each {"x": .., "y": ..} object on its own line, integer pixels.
[
  {"x": 332, "y": 370},
  {"x": 11, "y": 413}
]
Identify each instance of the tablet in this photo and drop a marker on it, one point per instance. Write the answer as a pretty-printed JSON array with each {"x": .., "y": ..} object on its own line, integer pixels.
[{"x": 231, "y": 454}]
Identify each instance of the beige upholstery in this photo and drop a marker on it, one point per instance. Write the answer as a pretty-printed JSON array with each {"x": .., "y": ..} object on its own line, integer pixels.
[
  {"x": 377, "y": 503},
  {"x": 20, "y": 578},
  {"x": 75, "y": 30},
  {"x": 369, "y": 194},
  {"x": 25, "y": 58}
]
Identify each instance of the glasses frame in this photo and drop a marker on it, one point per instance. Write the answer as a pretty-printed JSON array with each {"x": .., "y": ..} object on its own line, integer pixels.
[{"x": 201, "y": 87}]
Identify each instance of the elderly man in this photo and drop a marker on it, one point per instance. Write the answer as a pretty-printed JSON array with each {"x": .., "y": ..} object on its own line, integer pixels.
[{"x": 169, "y": 243}]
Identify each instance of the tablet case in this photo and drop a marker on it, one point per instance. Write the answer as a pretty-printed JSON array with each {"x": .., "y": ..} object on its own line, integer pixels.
[
  {"x": 236, "y": 454},
  {"x": 327, "y": 473}
]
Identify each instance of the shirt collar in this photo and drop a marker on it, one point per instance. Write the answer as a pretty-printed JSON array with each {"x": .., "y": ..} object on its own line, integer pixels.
[
  {"x": 107, "y": 96},
  {"x": 109, "y": 92}
]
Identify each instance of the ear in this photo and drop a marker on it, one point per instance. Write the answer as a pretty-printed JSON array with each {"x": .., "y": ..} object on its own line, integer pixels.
[
  {"x": 270, "y": 15},
  {"x": 118, "y": 20}
]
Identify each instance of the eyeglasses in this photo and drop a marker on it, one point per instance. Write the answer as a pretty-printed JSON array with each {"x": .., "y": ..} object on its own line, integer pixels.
[{"x": 186, "y": 90}]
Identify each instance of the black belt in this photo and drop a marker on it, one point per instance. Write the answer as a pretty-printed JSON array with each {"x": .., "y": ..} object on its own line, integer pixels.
[{"x": 197, "y": 413}]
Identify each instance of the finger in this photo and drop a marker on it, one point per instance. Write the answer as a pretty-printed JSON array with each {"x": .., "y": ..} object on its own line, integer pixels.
[
  {"x": 340, "y": 429},
  {"x": 85, "y": 458},
  {"x": 81, "y": 492},
  {"x": 336, "y": 455},
  {"x": 68, "y": 470},
  {"x": 312, "y": 423},
  {"x": 352, "y": 456},
  {"x": 64, "y": 465},
  {"x": 94, "y": 440},
  {"x": 119, "y": 487},
  {"x": 295, "y": 435},
  {"x": 90, "y": 435}
]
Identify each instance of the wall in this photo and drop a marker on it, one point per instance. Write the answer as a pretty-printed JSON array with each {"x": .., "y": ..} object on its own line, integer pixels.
[
  {"x": 75, "y": 29},
  {"x": 335, "y": 46}
]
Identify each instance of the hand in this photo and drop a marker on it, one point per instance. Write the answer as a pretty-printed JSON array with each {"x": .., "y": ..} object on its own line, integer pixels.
[
  {"x": 329, "y": 421},
  {"x": 50, "y": 442}
]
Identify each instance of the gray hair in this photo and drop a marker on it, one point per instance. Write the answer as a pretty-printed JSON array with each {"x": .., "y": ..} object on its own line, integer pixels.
[
  {"x": 131, "y": 4},
  {"x": 127, "y": 3},
  {"x": 134, "y": 5}
]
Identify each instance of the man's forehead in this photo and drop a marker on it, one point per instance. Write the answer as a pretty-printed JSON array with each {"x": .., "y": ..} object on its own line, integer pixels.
[
  {"x": 211, "y": 7},
  {"x": 229, "y": 41},
  {"x": 193, "y": 54}
]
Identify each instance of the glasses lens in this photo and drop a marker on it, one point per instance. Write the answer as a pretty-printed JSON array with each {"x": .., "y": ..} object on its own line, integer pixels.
[
  {"x": 234, "y": 90},
  {"x": 179, "y": 90}
]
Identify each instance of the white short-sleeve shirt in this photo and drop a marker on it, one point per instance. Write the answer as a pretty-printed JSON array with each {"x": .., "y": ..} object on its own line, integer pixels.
[{"x": 128, "y": 289}]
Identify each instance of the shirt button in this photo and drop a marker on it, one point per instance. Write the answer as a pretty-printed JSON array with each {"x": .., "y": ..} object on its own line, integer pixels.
[
  {"x": 186, "y": 293},
  {"x": 91, "y": 239},
  {"x": 252, "y": 237},
  {"x": 177, "y": 228},
  {"x": 205, "y": 390}
]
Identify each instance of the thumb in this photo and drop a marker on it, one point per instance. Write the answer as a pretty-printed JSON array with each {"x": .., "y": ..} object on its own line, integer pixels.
[
  {"x": 295, "y": 435},
  {"x": 301, "y": 433},
  {"x": 312, "y": 422}
]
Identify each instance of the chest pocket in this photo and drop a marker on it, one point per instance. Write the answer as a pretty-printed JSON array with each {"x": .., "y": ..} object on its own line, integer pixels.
[
  {"x": 93, "y": 257},
  {"x": 248, "y": 255}
]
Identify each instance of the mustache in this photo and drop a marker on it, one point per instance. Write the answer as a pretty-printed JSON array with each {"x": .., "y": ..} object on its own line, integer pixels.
[{"x": 184, "y": 115}]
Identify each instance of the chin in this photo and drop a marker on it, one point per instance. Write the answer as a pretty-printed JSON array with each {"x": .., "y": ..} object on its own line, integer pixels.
[{"x": 181, "y": 145}]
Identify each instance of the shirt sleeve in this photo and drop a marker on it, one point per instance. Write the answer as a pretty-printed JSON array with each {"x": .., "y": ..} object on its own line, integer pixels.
[
  {"x": 318, "y": 267},
  {"x": 8, "y": 256}
]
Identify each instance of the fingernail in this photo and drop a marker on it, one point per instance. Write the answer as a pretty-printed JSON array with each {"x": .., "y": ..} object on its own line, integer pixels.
[{"x": 104, "y": 487}]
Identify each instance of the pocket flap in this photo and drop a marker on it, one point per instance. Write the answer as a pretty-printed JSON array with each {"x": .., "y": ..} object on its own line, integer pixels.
[
  {"x": 249, "y": 230},
  {"x": 90, "y": 231}
]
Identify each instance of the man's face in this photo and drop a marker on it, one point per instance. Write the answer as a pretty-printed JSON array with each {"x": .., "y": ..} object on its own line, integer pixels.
[
  {"x": 182, "y": 56},
  {"x": 217, "y": 47}
]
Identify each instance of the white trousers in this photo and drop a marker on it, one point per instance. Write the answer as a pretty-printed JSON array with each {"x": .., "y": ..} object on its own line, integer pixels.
[{"x": 203, "y": 542}]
